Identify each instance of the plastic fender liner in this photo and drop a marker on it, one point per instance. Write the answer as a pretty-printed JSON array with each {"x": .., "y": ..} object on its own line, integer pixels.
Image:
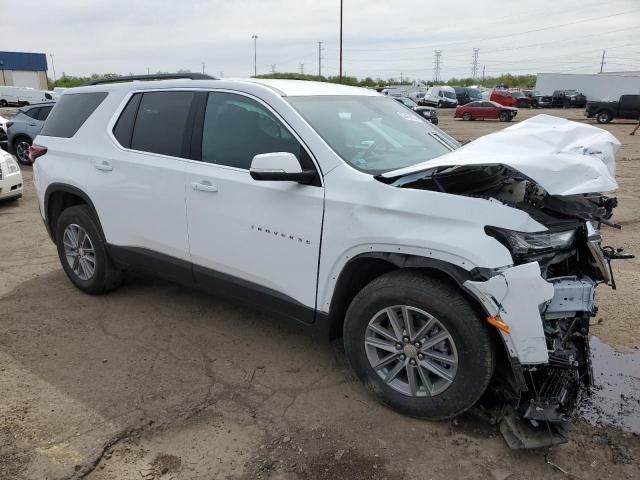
[{"x": 515, "y": 295}]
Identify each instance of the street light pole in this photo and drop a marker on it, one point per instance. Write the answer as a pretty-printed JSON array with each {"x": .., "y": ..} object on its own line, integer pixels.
[
  {"x": 340, "y": 38},
  {"x": 53, "y": 67},
  {"x": 255, "y": 55}
]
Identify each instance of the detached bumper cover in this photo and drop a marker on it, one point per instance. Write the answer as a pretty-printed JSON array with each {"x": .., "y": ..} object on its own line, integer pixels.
[{"x": 515, "y": 295}]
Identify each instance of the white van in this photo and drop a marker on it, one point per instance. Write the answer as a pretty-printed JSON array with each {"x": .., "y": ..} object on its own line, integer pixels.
[
  {"x": 20, "y": 96},
  {"x": 440, "y": 97}
]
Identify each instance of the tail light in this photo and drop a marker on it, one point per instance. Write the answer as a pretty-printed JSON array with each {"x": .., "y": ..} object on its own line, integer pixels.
[
  {"x": 35, "y": 152},
  {"x": 8, "y": 124}
]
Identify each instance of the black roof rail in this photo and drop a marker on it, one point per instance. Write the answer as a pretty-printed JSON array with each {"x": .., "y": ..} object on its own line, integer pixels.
[{"x": 157, "y": 76}]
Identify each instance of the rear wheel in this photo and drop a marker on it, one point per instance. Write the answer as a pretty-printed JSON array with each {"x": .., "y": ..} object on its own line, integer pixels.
[
  {"x": 3, "y": 103},
  {"x": 604, "y": 116},
  {"x": 419, "y": 345},
  {"x": 466, "y": 116},
  {"x": 82, "y": 252},
  {"x": 21, "y": 147}
]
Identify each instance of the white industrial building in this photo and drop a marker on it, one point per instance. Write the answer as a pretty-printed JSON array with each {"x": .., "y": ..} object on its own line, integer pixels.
[
  {"x": 596, "y": 86},
  {"x": 21, "y": 69}
]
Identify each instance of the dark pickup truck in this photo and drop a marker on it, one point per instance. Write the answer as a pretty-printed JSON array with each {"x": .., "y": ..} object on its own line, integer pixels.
[
  {"x": 562, "y": 98},
  {"x": 627, "y": 107}
]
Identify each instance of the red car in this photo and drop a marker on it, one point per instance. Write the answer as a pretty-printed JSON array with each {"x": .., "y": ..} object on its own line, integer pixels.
[
  {"x": 503, "y": 97},
  {"x": 485, "y": 109}
]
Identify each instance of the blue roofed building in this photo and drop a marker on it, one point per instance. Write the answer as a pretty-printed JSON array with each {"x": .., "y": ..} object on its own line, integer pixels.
[{"x": 21, "y": 69}]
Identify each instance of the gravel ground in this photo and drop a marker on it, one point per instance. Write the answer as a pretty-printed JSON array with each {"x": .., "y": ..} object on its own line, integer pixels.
[{"x": 158, "y": 381}]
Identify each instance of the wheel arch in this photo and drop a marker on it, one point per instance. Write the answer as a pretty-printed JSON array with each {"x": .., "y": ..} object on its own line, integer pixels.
[
  {"x": 366, "y": 267},
  {"x": 60, "y": 196}
]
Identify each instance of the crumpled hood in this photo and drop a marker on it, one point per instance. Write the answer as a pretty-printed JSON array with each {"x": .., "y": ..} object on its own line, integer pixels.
[{"x": 562, "y": 156}]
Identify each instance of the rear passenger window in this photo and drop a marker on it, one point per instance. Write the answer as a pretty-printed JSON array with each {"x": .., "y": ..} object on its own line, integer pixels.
[
  {"x": 124, "y": 126},
  {"x": 236, "y": 128},
  {"x": 44, "y": 113},
  {"x": 33, "y": 113},
  {"x": 161, "y": 122},
  {"x": 70, "y": 113}
]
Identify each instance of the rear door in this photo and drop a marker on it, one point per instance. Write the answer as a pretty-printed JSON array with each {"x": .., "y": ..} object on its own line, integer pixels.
[
  {"x": 138, "y": 185},
  {"x": 256, "y": 240}
]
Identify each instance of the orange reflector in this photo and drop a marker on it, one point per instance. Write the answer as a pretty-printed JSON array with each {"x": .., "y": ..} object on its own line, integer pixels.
[{"x": 499, "y": 324}]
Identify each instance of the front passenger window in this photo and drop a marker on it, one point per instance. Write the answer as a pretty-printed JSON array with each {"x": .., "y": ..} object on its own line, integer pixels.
[{"x": 237, "y": 128}]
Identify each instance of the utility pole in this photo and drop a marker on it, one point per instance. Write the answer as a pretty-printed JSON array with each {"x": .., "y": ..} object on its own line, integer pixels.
[
  {"x": 436, "y": 65},
  {"x": 221, "y": 74},
  {"x": 202, "y": 67},
  {"x": 340, "y": 38},
  {"x": 255, "y": 55},
  {"x": 148, "y": 71},
  {"x": 483, "y": 67},
  {"x": 53, "y": 67},
  {"x": 602, "y": 62},
  {"x": 302, "y": 69},
  {"x": 319, "y": 59},
  {"x": 273, "y": 68},
  {"x": 474, "y": 63},
  {"x": 400, "y": 78}
]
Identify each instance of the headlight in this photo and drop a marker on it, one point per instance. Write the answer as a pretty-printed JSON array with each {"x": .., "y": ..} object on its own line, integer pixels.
[
  {"x": 12, "y": 166},
  {"x": 523, "y": 243}
]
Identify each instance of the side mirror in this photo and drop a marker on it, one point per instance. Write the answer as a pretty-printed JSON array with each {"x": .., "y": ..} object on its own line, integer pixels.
[{"x": 280, "y": 167}]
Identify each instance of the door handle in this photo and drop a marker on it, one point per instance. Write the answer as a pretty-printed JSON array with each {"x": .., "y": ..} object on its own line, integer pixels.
[
  {"x": 104, "y": 166},
  {"x": 204, "y": 186}
]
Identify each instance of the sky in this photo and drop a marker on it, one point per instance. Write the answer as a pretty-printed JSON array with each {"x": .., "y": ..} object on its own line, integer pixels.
[{"x": 384, "y": 39}]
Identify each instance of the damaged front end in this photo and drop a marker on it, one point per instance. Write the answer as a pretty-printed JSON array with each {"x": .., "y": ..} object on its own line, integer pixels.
[{"x": 542, "y": 304}]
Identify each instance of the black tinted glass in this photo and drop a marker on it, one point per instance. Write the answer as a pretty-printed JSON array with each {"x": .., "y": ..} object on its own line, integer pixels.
[
  {"x": 32, "y": 112},
  {"x": 236, "y": 128},
  {"x": 70, "y": 113},
  {"x": 44, "y": 113},
  {"x": 161, "y": 122},
  {"x": 124, "y": 126}
]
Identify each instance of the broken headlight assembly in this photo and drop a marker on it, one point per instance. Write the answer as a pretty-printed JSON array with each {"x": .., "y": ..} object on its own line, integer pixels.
[{"x": 530, "y": 243}]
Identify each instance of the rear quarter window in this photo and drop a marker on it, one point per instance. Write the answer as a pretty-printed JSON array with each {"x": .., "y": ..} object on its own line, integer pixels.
[{"x": 70, "y": 113}]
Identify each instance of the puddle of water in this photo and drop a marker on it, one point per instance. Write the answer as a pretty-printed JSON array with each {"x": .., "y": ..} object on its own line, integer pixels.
[{"x": 615, "y": 398}]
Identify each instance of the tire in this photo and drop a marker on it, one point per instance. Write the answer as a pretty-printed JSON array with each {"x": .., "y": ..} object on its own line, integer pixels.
[
  {"x": 3, "y": 103},
  {"x": 604, "y": 116},
  {"x": 105, "y": 276},
  {"x": 21, "y": 149},
  {"x": 470, "y": 340},
  {"x": 504, "y": 116},
  {"x": 440, "y": 104},
  {"x": 466, "y": 116}
]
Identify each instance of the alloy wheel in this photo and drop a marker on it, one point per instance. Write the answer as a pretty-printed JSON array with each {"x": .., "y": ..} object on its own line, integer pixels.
[
  {"x": 79, "y": 252},
  {"x": 22, "y": 152},
  {"x": 411, "y": 351}
]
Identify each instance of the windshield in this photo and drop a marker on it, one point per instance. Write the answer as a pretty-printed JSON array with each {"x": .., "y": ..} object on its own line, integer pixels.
[
  {"x": 408, "y": 102},
  {"x": 571, "y": 92},
  {"x": 449, "y": 94},
  {"x": 474, "y": 93},
  {"x": 373, "y": 134}
]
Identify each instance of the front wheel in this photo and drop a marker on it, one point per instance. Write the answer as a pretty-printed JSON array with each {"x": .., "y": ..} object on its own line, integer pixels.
[
  {"x": 3, "y": 103},
  {"x": 83, "y": 253},
  {"x": 466, "y": 116},
  {"x": 504, "y": 117},
  {"x": 419, "y": 345}
]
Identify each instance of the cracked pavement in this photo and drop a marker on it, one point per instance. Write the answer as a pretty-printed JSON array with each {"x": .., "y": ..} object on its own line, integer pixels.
[{"x": 158, "y": 381}]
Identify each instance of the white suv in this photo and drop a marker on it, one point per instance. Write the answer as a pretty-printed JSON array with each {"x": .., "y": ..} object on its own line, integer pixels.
[{"x": 450, "y": 272}]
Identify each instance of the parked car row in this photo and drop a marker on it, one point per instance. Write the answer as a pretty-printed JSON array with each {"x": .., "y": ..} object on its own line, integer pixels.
[{"x": 562, "y": 99}]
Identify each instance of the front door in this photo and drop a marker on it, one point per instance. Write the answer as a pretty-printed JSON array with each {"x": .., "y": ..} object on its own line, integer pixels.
[{"x": 257, "y": 240}]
